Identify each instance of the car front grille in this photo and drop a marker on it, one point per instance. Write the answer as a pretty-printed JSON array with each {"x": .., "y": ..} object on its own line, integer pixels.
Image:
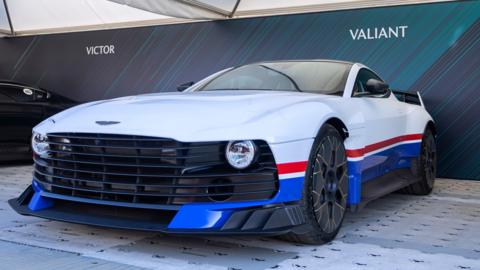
[{"x": 151, "y": 170}]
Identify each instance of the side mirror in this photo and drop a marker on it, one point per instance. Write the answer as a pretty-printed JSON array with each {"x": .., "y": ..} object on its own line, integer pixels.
[
  {"x": 184, "y": 86},
  {"x": 376, "y": 87}
]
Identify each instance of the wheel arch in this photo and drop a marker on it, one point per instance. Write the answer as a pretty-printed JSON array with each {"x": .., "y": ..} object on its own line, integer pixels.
[
  {"x": 431, "y": 125},
  {"x": 338, "y": 125}
]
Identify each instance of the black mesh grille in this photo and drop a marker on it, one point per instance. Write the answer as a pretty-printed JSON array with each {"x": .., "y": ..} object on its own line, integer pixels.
[{"x": 152, "y": 170}]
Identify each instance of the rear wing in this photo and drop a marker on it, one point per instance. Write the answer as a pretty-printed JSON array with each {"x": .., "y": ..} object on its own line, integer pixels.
[{"x": 409, "y": 98}]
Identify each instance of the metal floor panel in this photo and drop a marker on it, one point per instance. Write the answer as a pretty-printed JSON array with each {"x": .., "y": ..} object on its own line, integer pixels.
[
  {"x": 440, "y": 231},
  {"x": 19, "y": 256}
]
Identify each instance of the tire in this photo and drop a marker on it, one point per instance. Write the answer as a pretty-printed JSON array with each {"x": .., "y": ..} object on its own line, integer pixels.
[
  {"x": 325, "y": 190},
  {"x": 427, "y": 167}
]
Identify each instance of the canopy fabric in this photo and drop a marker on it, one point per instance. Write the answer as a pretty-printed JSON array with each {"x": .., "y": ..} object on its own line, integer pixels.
[
  {"x": 52, "y": 16},
  {"x": 217, "y": 9},
  {"x": 192, "y": 9},
  {"x": 27, "y": 17},
  {"x": 4, "y": 21}
]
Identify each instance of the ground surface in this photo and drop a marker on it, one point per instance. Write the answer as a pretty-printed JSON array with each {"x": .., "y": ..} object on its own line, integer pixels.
[{"x": 440, "y": 231}]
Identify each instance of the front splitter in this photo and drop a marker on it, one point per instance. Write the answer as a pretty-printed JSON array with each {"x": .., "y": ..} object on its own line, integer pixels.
[{"x": 272, "y": 220}]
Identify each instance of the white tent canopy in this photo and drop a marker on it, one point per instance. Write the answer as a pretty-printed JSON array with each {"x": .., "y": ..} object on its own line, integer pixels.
[
  {"x": 27, "y": 17},
  {"x": 192, "y": 9},
  {"x": 52, "y": 16},
  {"x": 5, "y": 27},
  {"x": 216, "y": 9}
]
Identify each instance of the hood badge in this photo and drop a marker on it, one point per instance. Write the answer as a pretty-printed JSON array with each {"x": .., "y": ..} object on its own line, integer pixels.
[{"x": 107, "y": 123}]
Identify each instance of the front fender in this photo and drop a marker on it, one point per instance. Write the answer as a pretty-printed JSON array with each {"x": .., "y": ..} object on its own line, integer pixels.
[{"x": 296, "y": 122}]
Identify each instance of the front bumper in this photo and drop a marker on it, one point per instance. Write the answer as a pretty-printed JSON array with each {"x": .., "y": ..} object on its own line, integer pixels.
[
  {"x": 252, "y": 218},
  {"x": 272, "y": 214}
]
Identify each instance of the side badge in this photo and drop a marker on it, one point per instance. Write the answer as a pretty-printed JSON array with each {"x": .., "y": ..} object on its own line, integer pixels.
[{"x": 106, "y": 123}]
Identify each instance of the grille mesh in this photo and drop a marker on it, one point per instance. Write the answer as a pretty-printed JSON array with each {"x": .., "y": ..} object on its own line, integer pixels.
[{"x": 152, "y": 170}]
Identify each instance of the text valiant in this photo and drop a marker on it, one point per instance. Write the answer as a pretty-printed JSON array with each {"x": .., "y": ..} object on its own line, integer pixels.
[{"x": 379, "y": 32}]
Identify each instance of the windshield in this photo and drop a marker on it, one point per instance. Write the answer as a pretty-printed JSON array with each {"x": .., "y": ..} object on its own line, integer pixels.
[{"x": 314, "y": 76}]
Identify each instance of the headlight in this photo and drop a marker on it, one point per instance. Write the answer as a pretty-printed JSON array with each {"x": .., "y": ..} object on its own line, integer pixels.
[
  {"x": 39, "y": 144},
  {"x": 240, "y": 154}
]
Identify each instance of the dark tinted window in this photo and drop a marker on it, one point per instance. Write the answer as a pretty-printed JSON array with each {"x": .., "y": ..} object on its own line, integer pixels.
[
  {"x": 314, "y": 76},
  {"x": 4, "y": 98},
  {"x": 17, "y": 93}
]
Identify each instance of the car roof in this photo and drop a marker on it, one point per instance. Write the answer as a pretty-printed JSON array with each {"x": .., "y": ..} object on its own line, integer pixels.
[
  {"x": 20, "y": 85},
  {"x": 307, "y": 60},
  {"x": 15, "y": 83}
]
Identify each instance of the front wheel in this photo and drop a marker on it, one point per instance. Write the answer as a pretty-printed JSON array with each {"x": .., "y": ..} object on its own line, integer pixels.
[{"x": 325, "y": 191}]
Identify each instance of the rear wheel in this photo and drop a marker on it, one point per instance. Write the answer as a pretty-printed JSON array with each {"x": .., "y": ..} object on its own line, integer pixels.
[
  {"x": 427, "y": 167},
  {"x": 325, "y": 189}
]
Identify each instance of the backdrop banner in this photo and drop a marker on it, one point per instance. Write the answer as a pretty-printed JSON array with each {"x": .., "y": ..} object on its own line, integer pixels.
[{"x": 431, "y": 48}]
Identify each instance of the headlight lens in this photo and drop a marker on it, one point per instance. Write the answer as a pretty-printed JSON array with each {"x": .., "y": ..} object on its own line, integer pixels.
[
  {"x": 240, "y": 154},
  {"x": 39, "y": 144}
]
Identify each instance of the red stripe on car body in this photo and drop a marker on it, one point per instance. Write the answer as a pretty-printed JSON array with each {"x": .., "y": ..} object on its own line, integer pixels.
[
  {"x": 379, "y": 145},
  {"x": 292, "y": 167},
  {"x": 301, "y": 166}
]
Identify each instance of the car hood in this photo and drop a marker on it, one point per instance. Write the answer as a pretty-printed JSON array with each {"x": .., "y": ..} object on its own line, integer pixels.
[{"x": 195, "y": 116}]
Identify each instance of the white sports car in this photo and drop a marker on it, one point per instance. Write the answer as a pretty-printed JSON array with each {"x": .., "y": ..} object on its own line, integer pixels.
[{"x": 279, "y": 147}]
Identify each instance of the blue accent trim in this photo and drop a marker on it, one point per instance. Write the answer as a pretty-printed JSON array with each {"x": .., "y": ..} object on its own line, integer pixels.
[
  {"x": 214, "y": 215},
  {"x": 354, "y": 182},
  {"x": 189, "y": 216},
  {"x": 38, "y": 202},
  {"x": 36, "y": 186},
  {"x": 378, "y": 164}
]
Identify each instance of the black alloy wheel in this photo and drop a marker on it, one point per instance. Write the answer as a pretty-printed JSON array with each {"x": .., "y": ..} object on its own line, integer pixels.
[
  {"x": 330, "y": 184},
  {"x": 325, "y": 191}
]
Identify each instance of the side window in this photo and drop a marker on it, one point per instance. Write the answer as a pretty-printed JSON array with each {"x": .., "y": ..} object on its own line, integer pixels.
[
  {"x": 18, "y": 93},
  {"x": 361, "y": 82},
  {"x": 4, "y": 98}
]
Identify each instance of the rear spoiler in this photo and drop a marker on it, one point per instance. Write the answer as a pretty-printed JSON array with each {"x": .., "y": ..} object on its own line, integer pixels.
[{"x": 409, "y": 98}]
